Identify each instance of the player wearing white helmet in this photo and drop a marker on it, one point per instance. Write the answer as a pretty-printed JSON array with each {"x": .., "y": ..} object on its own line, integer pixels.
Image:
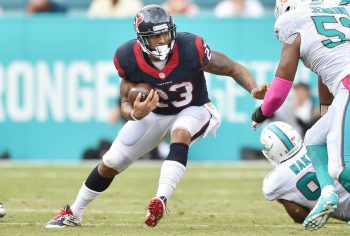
[
  {"x": 293, "y": 181},
  {"x": 318, "y": 33}
]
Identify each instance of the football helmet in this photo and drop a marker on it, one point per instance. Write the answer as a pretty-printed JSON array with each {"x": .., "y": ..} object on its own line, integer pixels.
[
  {"x": 280, "y": 141},
  {"x": 153, "y": 20},
  {"x": 282, "y": 6}
]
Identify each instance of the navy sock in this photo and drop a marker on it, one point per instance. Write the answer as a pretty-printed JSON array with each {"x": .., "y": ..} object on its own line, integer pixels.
[
  {"x": 178, "y": 152},
  {"x": 96, "y": 182}
]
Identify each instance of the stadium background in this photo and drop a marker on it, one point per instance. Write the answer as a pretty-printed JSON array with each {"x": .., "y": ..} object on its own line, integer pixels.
[{"x": 58, "y": 82}]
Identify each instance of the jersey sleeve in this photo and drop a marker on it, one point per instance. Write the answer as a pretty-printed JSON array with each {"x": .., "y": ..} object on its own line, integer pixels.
[
  {"x": 272, "y": 187},
  {"x": 285, "y": 28},
  {"x": 124, "y": 60},
  {"x": 120, "y": 70},
  {"x": 204, "y": 51}
]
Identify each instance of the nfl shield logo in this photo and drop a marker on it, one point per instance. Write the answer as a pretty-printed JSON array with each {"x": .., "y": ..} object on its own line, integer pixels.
[{"x": 161, "y": 75}]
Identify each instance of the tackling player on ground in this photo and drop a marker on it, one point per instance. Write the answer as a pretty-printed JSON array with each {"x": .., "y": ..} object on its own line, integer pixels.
[
  {"x": 173, "y": 64},
  {"x": 319, "y": 36},
  {"x": 293, "y": 181}
]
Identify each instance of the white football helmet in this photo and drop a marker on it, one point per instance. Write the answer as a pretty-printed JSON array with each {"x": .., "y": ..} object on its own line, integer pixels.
[
  {"x": 282, "y": 6},
  {"x": 280, "y": 141}
]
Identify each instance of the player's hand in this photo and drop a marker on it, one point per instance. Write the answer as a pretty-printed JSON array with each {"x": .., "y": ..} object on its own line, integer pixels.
[
  {"x": 142, "y": 109},
  {"x": 257, "y": 118},
  {"x": 260, "y": 91}
]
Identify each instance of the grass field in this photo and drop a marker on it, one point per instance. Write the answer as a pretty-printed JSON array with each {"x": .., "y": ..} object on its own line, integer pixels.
[{"x": 210, "y": 200}]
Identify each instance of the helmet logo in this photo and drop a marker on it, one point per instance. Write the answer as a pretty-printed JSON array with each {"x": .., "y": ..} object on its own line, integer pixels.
[
  {"x": 139, "y": 19},
  {"x": 265, "y": 146}
]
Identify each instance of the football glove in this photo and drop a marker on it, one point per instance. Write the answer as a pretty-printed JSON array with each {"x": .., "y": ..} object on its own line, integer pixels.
[{"x": 258, "y": 118}]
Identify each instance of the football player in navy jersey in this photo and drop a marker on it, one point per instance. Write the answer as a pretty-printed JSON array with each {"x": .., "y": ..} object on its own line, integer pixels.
[{"x": 179, "y": 106}]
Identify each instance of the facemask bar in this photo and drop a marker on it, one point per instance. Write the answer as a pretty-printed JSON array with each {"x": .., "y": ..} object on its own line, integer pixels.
[{"x": 161, "y": 52}]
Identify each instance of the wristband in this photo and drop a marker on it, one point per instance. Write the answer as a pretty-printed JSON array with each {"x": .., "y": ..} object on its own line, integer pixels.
[{"x": 132, "y": 115}]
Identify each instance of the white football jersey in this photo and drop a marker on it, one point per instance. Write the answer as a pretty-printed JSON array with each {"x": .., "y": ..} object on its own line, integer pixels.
[
  {"x": 295, "y": 180},
  {"x": 325, "y": 34}
]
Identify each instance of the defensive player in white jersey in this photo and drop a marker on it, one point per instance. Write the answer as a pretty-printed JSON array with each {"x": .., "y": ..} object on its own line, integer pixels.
[
  {"x": 319, "y": 36},
  {"x": 293, "y": 181}
]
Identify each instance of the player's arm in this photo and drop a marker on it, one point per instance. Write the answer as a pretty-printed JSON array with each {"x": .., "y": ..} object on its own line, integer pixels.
[
  {"x": 126, "y": 107},
  {"x": 289, "y": 60},
  {"x": 140, "y": 109},
  {"x": 220, "y": 64},
  {"x": 325, "y": 96},
  {"x": 282, "y": 83},
  {"x": 297, "y": 212}
]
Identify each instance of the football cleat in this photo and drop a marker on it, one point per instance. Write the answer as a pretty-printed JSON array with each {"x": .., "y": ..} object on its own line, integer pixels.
[
  {"x": 319, "y": 215},
  {"x": 156, "y": 208},
  {"x": 2, "y": 210},
  {"x": 63, "y": 219}
]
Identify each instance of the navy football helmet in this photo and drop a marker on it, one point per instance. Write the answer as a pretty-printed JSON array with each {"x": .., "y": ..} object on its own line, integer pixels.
[{"x": 153, "y": 20}]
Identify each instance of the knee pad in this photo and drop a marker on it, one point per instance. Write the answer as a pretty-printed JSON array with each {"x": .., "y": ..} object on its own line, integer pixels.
[{"x": 115, "y": 159}]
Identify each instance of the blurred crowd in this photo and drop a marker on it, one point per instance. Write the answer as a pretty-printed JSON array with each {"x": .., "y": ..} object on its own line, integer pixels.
[{"x": 128, "y": 8}]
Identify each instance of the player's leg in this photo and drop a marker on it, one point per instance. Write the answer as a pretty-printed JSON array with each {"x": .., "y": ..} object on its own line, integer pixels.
[
  {"x": 343, "y": 145},
  {"x": 189, "y": 124},
  {"x": 134, "y": 139},
  {"x": 330, "y": 125}
]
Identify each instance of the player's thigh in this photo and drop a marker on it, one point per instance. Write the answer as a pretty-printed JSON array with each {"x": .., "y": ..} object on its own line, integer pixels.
[
  {"x": 134, "y": 140},
  {"x": 317, "y": 134},
  {"x": 194, "y": 119},
  {"x": 338, "y": 137}
]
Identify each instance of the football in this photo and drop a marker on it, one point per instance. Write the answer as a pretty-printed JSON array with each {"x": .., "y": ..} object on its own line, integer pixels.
[{"x": 142, "y": 88}]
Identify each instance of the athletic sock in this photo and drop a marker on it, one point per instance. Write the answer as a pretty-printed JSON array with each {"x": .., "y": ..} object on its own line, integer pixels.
[
  {"x": 170, "y": 175},
  {"x": 345, "y": 175},
  {"x": 319, "y": 158},
  {"x": 85, "y": 196},
  {"x": 94, "y": 185}
]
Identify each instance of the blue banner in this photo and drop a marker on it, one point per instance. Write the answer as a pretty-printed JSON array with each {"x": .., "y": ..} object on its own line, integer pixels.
[{"x": 58, "y": 83}]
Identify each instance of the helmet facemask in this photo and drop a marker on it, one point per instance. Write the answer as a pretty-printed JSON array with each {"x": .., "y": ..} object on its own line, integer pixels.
[
  {"x": 153, "y": 20},
  {"x": 161, "y": 51}
]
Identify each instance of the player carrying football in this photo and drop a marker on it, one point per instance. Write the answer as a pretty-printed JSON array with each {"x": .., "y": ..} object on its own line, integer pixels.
[{"x": 173, "y": 64}]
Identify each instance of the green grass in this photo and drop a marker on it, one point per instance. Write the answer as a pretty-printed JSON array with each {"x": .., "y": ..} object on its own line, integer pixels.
[{"x": 210, "y": 200}]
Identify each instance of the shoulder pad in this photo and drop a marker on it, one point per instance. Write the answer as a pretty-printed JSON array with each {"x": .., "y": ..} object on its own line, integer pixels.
[{"x": 284, "y": 28}]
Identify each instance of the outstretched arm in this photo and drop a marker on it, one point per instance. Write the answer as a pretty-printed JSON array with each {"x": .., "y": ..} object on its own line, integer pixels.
[
  {"x": 281, "y": 84},
  {"x": 297, "y": 212},
  {"x": 220, "y": 64}
]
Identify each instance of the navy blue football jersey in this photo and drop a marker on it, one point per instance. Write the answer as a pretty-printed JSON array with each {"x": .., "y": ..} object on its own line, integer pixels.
[{"x": 180, "y": 83}]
